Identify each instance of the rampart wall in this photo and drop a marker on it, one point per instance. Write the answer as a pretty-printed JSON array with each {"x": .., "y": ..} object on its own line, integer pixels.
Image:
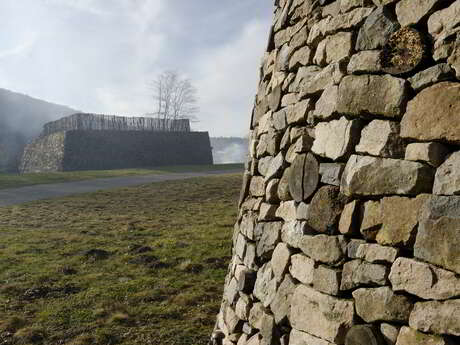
[
  {"x": 97, "y": 150},
  {"x": 349, "y": 217}
]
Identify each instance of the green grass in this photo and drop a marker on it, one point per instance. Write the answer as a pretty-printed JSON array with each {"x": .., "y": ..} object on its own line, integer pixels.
[
  {"x": 15, "y": 180},
  {"x": 141, "y": 265}
]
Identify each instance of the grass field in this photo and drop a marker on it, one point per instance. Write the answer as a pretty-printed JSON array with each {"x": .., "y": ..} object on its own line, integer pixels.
[
  {"x": 142, "y": 265},
  {"x": 16, "y": 180}
]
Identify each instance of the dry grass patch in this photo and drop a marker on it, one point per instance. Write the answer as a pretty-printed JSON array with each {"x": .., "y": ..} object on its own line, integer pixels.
[{"x": 143, "y": 265}]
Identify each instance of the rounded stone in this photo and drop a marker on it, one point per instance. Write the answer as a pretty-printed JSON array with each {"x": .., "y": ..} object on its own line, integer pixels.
[
  {"x": 363, "y": 335},
  {"x": 303, "y": 177}
]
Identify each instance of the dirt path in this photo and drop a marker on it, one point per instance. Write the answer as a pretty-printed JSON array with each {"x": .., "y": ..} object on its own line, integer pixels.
[{"x": 16, "y": 196}]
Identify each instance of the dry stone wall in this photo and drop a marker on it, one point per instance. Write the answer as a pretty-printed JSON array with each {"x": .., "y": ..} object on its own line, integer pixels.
[{"x": 349, "y": 217}]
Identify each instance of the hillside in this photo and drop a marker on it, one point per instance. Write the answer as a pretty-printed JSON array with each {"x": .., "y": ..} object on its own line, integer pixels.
[{"x": 21, "y": 118}]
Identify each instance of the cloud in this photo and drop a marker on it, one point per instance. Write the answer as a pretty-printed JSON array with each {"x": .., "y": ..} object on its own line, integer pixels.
[
  {"x": 21, "y": 48},
  {"x": 227, "y": 81}
]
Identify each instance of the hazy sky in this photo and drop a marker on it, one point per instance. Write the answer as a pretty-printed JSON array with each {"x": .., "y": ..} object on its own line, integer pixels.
[{"x": 99, "y": 55}]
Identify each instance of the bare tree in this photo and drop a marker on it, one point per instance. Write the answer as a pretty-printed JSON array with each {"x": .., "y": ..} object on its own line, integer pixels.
[{"x": 175, "y": 98}]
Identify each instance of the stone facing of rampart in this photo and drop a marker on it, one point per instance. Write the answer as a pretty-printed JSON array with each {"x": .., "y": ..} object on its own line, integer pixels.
[
  {"x": 109, "y": 149},
  {"x": 349, "y": 217}
]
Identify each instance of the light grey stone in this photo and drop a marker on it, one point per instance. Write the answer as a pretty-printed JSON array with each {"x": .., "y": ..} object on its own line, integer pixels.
[
  {"x": 301, "y": 338},
  {"x": 437, "y": 317},
  {"x": 367, "y": 61},
  {"x": 287, "y": 211},
  {"x": 333, "y": 48},
  {"x": 372, "y": 94},
  {"x": 301, "y": 57},
  {"x": 390, "y": 333},
  {"x": 323, "y": 248},
  {"x": 302, "y": 268},
  {"x": 409, "y": 336},
  {"x": 271, "y": 193},
  {"x": 243, "y": 307},
  {"x": 269, "y": 237},
  {"x": 240, "y": 248},
  {"x": 432, "y": 153},
  {"x": 280, "y": 260},
  {"x": 447, "y": 179},
  {"x": 326, "y": 106},
  {"x": 267, "y": 212},
  {"x": 265, "y": 286},
  {"x": 381, "y": 138},
  {"x": 369, "y": 176},
  {"x": 358, "y": 273},
  {"x": 255, "y": 315},
  {"x": 408, "y": 14},
  {"x": 275, "y": 167},
  {"x": 424, "y": 280},
  {"x": 352, "y": 248},
  {"x": 232, "y": 321},
  {"x": 331, "y": 173},
  {"x": 327, "y": 280},
  {"x": 292, "y": 233},
  {"x": 302, "y": 211},
  {"x": 281, "y": 304},
  {"x": 297, "y": 113},
  {"x": 257, "y": 186},
  {"x": 348, "y": 223},
  {"x": 332, "y": 74},
  {"x": 328, "y": 317},
  {"x": 437, "y": 238},
  {"x": 444, "y": 20},
  {"x": 376, "y": 253},
  {"x": 283, "y": 186},
  {"x": 376, "y": 30},
  {"x": 430, "y": 76},
  {"x": 336, "y": 138},
  {"x": 386, "y": 305}
]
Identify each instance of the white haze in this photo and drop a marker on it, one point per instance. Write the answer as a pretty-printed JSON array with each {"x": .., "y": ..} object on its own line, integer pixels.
[{"x": 99, "y": 55}]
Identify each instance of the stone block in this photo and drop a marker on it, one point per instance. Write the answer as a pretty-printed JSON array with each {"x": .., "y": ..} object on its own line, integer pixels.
[
  {"x": 358, "y": 273},
  {"x": 375, "y": 253},
  {"x": 371, "y": 176},
  {"x": 327, "y": 280},
  {"x": 447, "y": 178},
  {"x": 302, "y": 268},
  {"x": 382, "y": 304},
  {"x": 349, "y": 219},
  {"x": 270, "y": 233},
  {"x": 424, "y": 280},
  {"x": 301, "y": 338},
  {"x": 437, "y": 238},
  {"x": 409, "y": 336},
  {"x": 323, "y": 248},
  {"x": 430, "y": 76},
  {"x": 328, "y": 317},
  {"x": 280, "y": 260},
  {"x": 326, "y": 106},
  {"x": 303, "y": 177},
  {"x": 331, "y": 173},
  {"x": 281, "y": 304},
  {"x": 376, "y": 30},
  {"x": 367, "y": 61},
  {"x": 265, "y": 286},
  {"x": 437, "y": 317},
  {"x": 428, "y": 115},
  {"x": 335, "y": 139},
  {"x": 372, "y": 94},
  {"x": 381, "y": 138},
  {"x": 390, "y": 333},
  {"x": 408, "y": 14},
  {"x": 432, "y": 153}
]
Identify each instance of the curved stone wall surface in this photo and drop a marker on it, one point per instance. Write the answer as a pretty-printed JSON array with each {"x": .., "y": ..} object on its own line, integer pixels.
[{"x": 349, "y": 218}]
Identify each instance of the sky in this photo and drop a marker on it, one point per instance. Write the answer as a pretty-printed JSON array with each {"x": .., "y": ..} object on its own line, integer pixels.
[{"x": 99, "y": 56}]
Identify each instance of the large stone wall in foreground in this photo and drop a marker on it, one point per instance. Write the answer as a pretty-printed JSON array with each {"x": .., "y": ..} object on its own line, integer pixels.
[
  {"x": 100, "y": 150},
  {"x": 349, "y": 218}
]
